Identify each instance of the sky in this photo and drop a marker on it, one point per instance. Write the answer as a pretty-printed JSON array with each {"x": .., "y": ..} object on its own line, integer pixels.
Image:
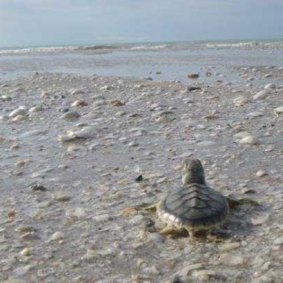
[{"x": 72, "y": 22}]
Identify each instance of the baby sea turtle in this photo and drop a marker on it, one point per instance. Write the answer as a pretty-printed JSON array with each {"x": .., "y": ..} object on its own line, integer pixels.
[{"x": 193, "y": 207}]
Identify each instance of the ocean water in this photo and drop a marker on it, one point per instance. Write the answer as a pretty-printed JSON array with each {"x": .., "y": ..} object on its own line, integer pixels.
[{"x": 160, "y": 61}]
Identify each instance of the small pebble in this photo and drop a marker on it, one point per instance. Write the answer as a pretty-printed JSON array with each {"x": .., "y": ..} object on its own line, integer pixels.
[
  {"x": 26, "y": 252},
  {"x": 77, "y": 212},
  {"x": 84, "y": 133},
  {"x": 76, "y": 91},
  {"x": 240, "y": 101},
  {"x": 90, "y": 255},
  {"x": 79, "y": 103},
  {"x": 229, "y": 246},
  {"x": 278, "y": 110},
  {"x": 260, "y": 219},
  {"x": 19, "y": 118},
  {"x": 21, "y": 111},
  {"x": 138, "y": 219},
  {"x": 133, "y": 144},
  {"x": 203, "y": 275},
  {"x": 231, "y": 260},
  {"x": 57, "y": 236},
  {"x": 261, "y": 94},
  {"x": 107, "y": 87},
  {"x": 185, "y": 271},
  {"x": 21, "y": 163},
  {"x": 34, "y": 109},
  {"x": 71, "y": 116},
  {"x": 116, "y": 103},
  {"x": 60, "y": 196},
  {"x": 156, "y": 238},
  {"x": 278, "y": 241},
  {"x": 248, "y": 140},
  {"x": 261, "y": 173},
  {"x": 270, "y": 86},
  {"x": 14, "y": 146},
  {"x": 102, "y": 218}
]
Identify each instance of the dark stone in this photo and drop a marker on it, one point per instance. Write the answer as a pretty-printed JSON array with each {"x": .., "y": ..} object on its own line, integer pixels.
[
  {"x": 38, "y": 188},
  {"x": 177, "y": 279},
  {"x": 64, "y": 110},
  {"x": 192, "y": 88},
  {"x": 193, "y": 76},
  {"x": 139, "y": 178}
]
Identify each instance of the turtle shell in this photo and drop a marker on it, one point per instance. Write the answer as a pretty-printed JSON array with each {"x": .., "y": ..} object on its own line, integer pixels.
[{"x": 193, "y": 206}]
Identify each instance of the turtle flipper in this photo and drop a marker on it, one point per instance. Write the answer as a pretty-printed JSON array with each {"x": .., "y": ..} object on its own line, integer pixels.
[
  {"x": 144, "y": 207},
  {"x": 233, "y": 203},
  {"x": 173, "y": 232},
  {"x": 151, "y": 208},
  {"x": 168, "y": 230},
  {"x": 191, "y": 235},
  {"x": 147, "y": 207}
]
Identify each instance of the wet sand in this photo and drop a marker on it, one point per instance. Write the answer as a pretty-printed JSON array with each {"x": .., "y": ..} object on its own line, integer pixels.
[{"x": 73, "y": 146}]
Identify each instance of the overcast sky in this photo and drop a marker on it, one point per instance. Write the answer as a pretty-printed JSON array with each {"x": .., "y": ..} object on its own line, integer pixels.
[{"x": 67, "y": 22}]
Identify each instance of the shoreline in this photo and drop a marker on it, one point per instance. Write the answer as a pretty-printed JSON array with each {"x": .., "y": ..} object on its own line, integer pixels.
[{"x": 160, "y": 62}]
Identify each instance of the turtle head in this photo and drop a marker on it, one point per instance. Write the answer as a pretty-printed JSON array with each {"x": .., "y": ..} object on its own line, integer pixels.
[{"x": 192, "y": 172}]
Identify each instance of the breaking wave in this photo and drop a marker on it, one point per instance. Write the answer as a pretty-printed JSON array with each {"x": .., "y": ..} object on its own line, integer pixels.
[
  {"x": 149, "y": 47},
  {"x": 245, "y": 44},
  {"x": 174, "y": 46},
  {"x": 56, "y": 49}
]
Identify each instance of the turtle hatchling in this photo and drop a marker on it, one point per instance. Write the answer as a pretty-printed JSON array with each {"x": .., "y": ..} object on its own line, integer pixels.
[{"x": 193, "y": 207}]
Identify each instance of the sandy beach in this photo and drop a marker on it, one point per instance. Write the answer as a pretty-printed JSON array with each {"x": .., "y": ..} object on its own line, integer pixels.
[{"x": 73, "y": 145}]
